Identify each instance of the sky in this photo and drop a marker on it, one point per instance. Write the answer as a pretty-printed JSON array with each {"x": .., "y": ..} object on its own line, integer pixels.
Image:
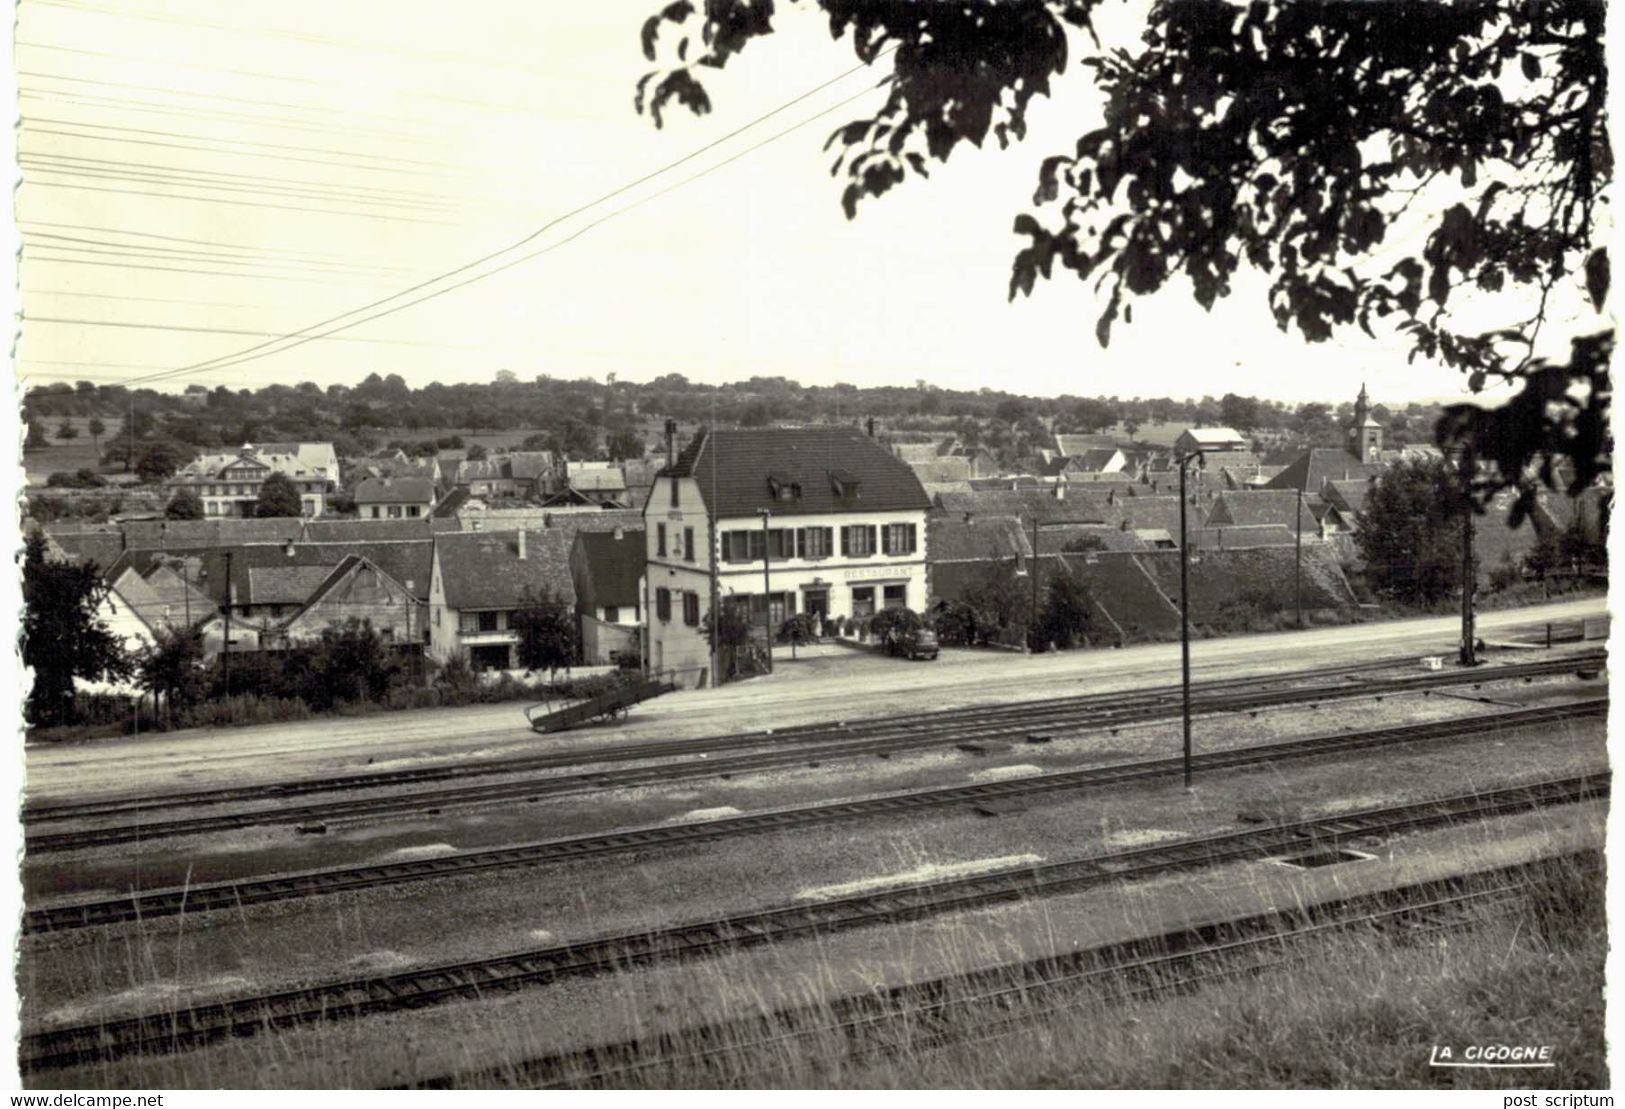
[{"x": 198, "y": 179}]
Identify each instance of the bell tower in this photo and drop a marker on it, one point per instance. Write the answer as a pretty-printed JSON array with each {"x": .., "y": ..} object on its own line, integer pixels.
[{"x": 1365, "y": 434}]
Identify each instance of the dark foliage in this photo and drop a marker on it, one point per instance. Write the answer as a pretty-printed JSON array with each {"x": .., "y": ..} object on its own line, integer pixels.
[
  {"x": 278, "y": 497},
  {"x": 63, "y": 636},
  {"x": 184, "y": 505},
  {"x": 547, "y": 636},
  {"x": 1290, "y": 138},
  {"x": 1064, "y": 620},
  {"x": 1410, "y": 532}
]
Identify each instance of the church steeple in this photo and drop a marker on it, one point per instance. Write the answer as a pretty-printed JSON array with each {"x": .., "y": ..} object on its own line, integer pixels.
[{"x": 1365, "y": 435}]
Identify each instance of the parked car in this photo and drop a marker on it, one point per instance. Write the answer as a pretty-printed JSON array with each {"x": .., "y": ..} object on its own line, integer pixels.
[{"x": 912, "y": 642}]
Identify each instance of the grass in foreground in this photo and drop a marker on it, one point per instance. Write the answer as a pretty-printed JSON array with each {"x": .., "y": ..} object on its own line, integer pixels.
[{"x": 1358, "y": 1009}]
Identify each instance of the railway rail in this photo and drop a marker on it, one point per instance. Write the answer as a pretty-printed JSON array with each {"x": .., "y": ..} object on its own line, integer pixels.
[
  {"x": 233, "y": 894},
  {"x": 715, "y": 744},
  {"x": 187, "y": 1026},
  {"x": 991, "y": 724},
  {"x": 988, "y": 1003}
]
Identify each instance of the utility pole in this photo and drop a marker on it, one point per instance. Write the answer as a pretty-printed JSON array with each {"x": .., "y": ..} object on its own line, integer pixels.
[
  {"x": 1469, "y": 573},
  {"x": 767, "y": 584},
  {"x": 1469, "y": 585},
  {"x": 1185, "y": 612},
  {"x": 129, "y": 459},
  {"x": 1297, "y": 557},
  {"x": 1032, "y": 616},
  {"x": 225, "y": 646}
]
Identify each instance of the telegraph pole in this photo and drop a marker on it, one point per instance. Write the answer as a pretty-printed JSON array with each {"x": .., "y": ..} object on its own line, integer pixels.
[
  {"x": 1032, "y": 617},
  {"x": 767, "y": 585},
  {"x": 225, "y": 646},
  {"x": 1185, "y": 612},
  {"x": 1469, "y": 572},
  {"x": 1297, "y": 557}
]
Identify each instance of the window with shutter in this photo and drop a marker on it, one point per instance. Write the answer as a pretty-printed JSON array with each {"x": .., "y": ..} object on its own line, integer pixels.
[
  {"x": 660, "y": 540},
  {"x": 663, "y": 603},
  {"x": 691, "y": 609},
  {"x": 885, "y": 540},
  {"x": 688, "y": 544}
]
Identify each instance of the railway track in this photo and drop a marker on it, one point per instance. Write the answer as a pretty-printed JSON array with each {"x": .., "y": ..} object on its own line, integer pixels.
[
  {"x": 225, "y": 895},
  {"x": 994, "y": 724},
  {"x": 717, "y": 744},
  {"x": 185, "y": 1027},
  {"x": 989, "y": 1003}
]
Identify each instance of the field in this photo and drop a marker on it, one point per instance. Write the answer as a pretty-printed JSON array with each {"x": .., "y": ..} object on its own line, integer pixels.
[{"x": 68, "y": 455}]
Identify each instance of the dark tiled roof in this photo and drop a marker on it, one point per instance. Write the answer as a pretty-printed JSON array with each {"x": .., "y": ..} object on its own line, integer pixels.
[
  {"x": 938, "y": 470},
  {"x": 1078, "y": 506},
  {"x": 1160, "y": 513},
  {"x": 731, "y": 468},
  {"x": 452, "y": 501},
  {"x": 1053, "y": 539},
  {"x": 406, "y": 562},
  {"x": 482, "y": 569},
  {"x": 1259, "y": 576},
  {"x": 608, "y": 568},
  {"x": 1127, "y": 602},
  {"x": 1314, "y": 467},
  {"x": 395, "y": 490},
  {"x": 1247, "y": 535},
  {"x": 953, "y": 539},
  {"x": 101, "y": 548},
  {"x": 1348, "y": 495},
  {"x": 1093, "y": 461},
  {"x": 1262, "y": 506},
  {"x": 283, "y": 585},
  {"x": 156, "y": 534}
]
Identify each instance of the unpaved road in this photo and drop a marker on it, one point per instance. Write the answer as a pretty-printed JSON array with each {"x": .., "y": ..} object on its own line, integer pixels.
[{"x": 845, "y": 687}]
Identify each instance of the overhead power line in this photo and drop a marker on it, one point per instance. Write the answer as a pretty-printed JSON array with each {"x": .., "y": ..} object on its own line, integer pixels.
[{"x": 383, "y": 307}]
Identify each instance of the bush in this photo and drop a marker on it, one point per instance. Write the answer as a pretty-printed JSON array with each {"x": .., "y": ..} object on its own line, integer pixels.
[{"x": 799, "y": 629}]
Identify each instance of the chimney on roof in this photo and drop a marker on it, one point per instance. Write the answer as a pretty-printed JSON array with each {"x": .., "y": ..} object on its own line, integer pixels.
[
  {"x": 1060, "y": 490},
  {"x": 521, "y": 544},
  {"x": 870, "y": 426},
  {"x": 671, "y": 442},
  {"x": 619, "y": 533}
]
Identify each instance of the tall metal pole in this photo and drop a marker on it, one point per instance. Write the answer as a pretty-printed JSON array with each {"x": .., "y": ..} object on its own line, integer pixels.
[
  {"x": 1297, "y": 557},
  {"x": 1185, "y": 614},
  {"x": 1032, "y": 616},
  {"x": 767, "y": 585},
  {"x": 225, "y": 645},
  {"x": 1469, "y": 583}
]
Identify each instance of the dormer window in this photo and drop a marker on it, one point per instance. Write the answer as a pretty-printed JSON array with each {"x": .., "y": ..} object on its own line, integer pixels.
[
  {"x": 781, "y": 488},
  {"x": 845, "y": 483}
]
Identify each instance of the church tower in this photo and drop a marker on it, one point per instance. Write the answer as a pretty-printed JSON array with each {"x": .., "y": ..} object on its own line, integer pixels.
[{"x": 1365, "y": 434}]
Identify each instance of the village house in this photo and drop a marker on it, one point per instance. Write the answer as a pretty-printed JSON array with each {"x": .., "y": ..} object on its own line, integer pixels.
[
  {"x": 606, "y": 569},
  {"x": 516, "y": 474},
  {"x": 817, "y": 520},
  {"x": 479, "y": 579},
  {"x": 228, "y": 484},
  {"x": 358, "y": 589},
  {"x": 394, "y": 498}
]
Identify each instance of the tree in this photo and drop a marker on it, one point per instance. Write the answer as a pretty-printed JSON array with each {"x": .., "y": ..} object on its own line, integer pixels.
[
  {"x": 96, "y": 429},
  {"x": 1290, "y": 138},
  {"x": 66, "y": 430},
  {"x": 157, "y": 461},
  {"x": 477, "y": 453},
  {"x": 171, "y": 669},
  {"x": 184, "y": 505},
  {"x": 623, "y": 445},
  {"x": 1065, "y": 619},
  {"x": 1092, "y": 415},
  {"x": 63, "y": 635},
  {"x": 547, "y": 634},
  {"x": 1240, "y": 413},
  {"x": 351, "y": 662},
  {"x": 278, "y": 497},
  {"x": 37, "y": 439},
  {"x": 1409, "y": 531}
]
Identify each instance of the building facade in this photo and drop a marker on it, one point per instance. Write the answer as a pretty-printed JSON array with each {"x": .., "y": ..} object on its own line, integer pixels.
[
  {"x": 229, "y": 484},
  {"x": 843, "y": 536}
]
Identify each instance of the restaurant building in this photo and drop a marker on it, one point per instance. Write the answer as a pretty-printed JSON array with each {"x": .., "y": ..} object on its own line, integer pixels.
[{"x": 777, "y": 521}]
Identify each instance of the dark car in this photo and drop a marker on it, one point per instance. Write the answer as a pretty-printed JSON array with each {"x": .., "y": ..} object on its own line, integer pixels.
[{"x": 912, "y": 642}]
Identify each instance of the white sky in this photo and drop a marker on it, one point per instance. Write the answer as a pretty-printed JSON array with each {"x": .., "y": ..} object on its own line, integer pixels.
[{"x": 454, "y": 129}]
